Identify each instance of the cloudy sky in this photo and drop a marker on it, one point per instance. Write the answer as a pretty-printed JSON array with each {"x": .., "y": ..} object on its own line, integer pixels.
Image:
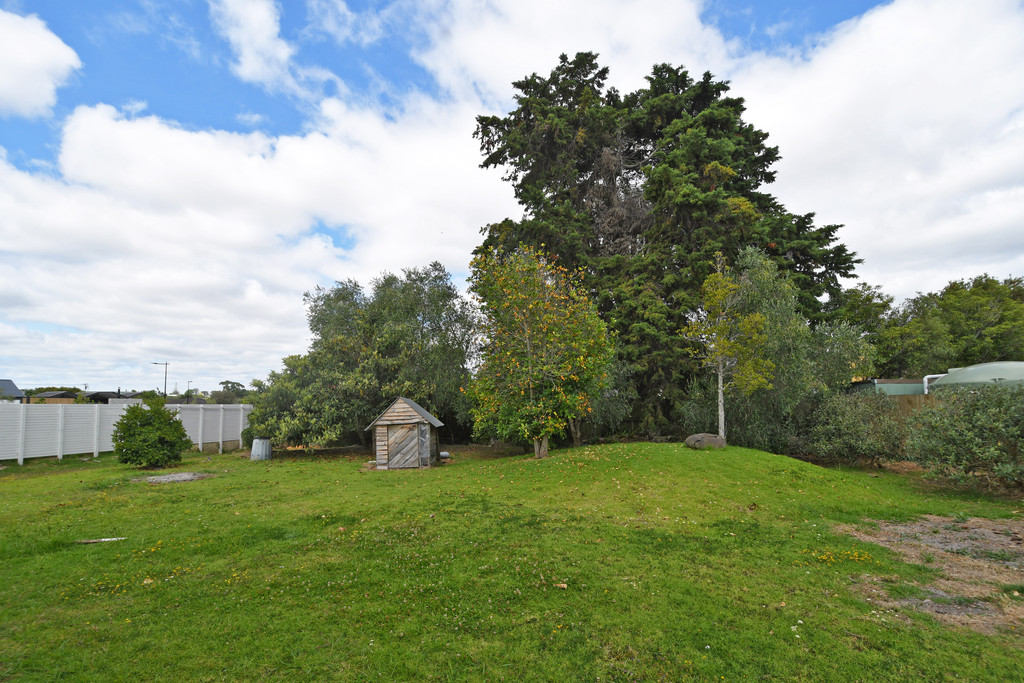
[{"x": 174, "y": 174}]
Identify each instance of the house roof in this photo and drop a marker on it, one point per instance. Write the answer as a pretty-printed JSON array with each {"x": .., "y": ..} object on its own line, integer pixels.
[
  {"x": 412, "y": 404},
  {"x": 8, "y": 389},
  {"x": 55, "y": 394}
]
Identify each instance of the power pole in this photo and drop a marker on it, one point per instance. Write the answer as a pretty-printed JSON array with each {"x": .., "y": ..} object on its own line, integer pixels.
[{"x": 165, "y": 364}]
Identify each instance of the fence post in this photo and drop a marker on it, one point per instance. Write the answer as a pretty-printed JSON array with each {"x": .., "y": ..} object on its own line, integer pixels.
[
  {"x": 96, "y": 433},
  {"x": 202, "y": 414},
  {"x": 21, "y": 434},
  {"x": 60, "y": 432},
  {"x": 220, "y": 431}
]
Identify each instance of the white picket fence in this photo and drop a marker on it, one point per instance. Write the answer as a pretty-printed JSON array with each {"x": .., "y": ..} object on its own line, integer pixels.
[{"x": 42, "y": 431}]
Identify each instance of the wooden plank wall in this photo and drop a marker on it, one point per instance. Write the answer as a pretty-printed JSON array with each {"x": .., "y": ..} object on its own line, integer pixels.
[
  {"x": 399, "y": 414},
  {"x": 380, "y": 434},
  {"x": 403, "y": 446},
  {"x": 910, "y": 402}
]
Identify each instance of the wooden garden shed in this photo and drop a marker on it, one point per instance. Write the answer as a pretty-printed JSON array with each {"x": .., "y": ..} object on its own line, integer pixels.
[{"x": 405, "y": 435}]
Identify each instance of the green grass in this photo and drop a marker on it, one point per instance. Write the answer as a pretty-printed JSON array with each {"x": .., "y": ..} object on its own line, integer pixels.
[{"x": 677, "y": 564}]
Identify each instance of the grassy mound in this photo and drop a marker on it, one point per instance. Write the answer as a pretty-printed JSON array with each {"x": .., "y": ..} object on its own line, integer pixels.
[{"x": 621, "y": 562}]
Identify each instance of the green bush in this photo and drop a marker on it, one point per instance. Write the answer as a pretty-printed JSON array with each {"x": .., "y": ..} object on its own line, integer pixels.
[
  {"x": 149, "y": 435},
  {"x": 972, "y": 435},
  {"x": 848, "y": 428},
  {"x": 247, "y": 437}
]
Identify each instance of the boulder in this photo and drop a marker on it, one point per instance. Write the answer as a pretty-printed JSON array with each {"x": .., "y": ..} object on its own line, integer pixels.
[{"x": 702, "y": 441}]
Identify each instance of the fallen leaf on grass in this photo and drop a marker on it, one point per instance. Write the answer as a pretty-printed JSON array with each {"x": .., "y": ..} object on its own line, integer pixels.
[{"x": 561, "y": 585}]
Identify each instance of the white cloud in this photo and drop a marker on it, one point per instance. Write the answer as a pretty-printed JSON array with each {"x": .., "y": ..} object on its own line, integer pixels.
[
  {"x": 33, "y": 64},
  {"x": 480, "y": 48},
  {"x": 334, "y": 18},
  {"x": 906, "y": 126},
  {"x": 262, "y": 56},
  {"x": 250, "y": 118},
  {"x": 152, "y": 241},
  {"x": 252, "y": 27},
  {"x": 196, "y": 246}
]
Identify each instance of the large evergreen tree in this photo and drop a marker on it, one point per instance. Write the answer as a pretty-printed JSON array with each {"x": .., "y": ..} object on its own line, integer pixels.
[{"x": 641, "y": 190}]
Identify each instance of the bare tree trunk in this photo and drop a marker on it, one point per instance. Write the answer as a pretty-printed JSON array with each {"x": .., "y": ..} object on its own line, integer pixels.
[
  {"x": 576, "y": 428},
  {"x": 540, "y": 447},
  {"x": 721, "y": 400}
]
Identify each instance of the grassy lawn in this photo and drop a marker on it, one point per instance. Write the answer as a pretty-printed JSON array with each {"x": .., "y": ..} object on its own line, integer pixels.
[{"x": 620, "y": 562}]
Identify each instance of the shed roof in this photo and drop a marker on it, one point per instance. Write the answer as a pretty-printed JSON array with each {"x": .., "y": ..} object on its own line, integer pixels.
[
  {"x": 1001, "y": 372},
  {"x": 8, "y": 389},
  {"x": 420, "y": 410}
]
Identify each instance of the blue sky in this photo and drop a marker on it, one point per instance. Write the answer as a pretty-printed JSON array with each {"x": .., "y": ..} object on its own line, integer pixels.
[
  {"x": 174, "y": 174},
  {"x": 169, "y": 56}
]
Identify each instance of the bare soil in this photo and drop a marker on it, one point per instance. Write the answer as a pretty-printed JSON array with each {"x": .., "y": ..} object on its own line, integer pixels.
[
  {"x": 175, "y": 478},
  {"x": 980, "y": 564}
]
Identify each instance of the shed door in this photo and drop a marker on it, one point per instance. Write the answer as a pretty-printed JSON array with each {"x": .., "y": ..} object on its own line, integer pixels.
[{"x": 403, "y": 446}]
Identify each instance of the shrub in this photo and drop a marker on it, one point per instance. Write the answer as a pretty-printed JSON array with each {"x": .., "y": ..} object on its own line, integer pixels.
[
  {"x": 247, "y": 437},
  {"x": 149, "y": 435},
  {"x": 848, "y": 428},
  {"x": 972, "y": 435}
]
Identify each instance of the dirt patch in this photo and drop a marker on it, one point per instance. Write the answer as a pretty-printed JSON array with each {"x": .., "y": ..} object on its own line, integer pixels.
[
  {"x": 175, "y": 478},
  {"x": 902, "y": 467},
  {"x": 981, "y": 565}
]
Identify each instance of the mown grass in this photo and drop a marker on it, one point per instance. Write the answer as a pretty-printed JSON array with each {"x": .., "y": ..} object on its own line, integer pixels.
[{"x": 676, "y": 564}]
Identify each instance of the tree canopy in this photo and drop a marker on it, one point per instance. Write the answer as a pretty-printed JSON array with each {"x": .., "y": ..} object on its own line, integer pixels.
[
  {"x": 410, "y": 336},
  {"x": 545, "y": 349},
  {"x": 785, "y": 366},
  {"x": 728, "y": 339},
  {"x": 641, "y": 191},
  {"x": 968, "y": 322}
]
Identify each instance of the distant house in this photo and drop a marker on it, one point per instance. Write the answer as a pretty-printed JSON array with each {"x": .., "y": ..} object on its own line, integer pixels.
[
  {"x": 56, "y": 397},
  {"x": 106, "y": 396},
  {"x": 10, "y": 393},
  {"x": 405, "y": 435}
]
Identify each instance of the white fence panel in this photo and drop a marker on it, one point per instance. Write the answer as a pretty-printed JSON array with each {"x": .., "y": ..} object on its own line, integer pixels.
[
  {"x": 79, "y": 421},
  {"x": 109, "y": 415},
  {"x": 189, "y": 416},
  {"x": 10, "y": 430},
  {"x": 214, "y": 424},
  {"x": 40, "y": 430}
]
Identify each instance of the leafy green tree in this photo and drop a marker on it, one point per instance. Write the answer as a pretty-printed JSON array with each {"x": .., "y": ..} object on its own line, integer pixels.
[
  {"x": 969, "y": 322},
  {"x": 40, "y": 390},
  {"x": 545, "y": 348},
  {"x": 230, "y": 392},
  {"x": 865, "y": 306},
  {"x": 411, "y": 336},
  {"x": 807, "y": 363},
  {"x": 640, "y": 191},
  {"x": 810, "y": 361},
  {"x": 729, "y": 340},
  {"x": 149, "y": 435}
]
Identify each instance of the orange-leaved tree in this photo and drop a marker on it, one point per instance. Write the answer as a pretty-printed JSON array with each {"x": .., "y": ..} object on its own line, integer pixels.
[{"x": 545, "y": 349}]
